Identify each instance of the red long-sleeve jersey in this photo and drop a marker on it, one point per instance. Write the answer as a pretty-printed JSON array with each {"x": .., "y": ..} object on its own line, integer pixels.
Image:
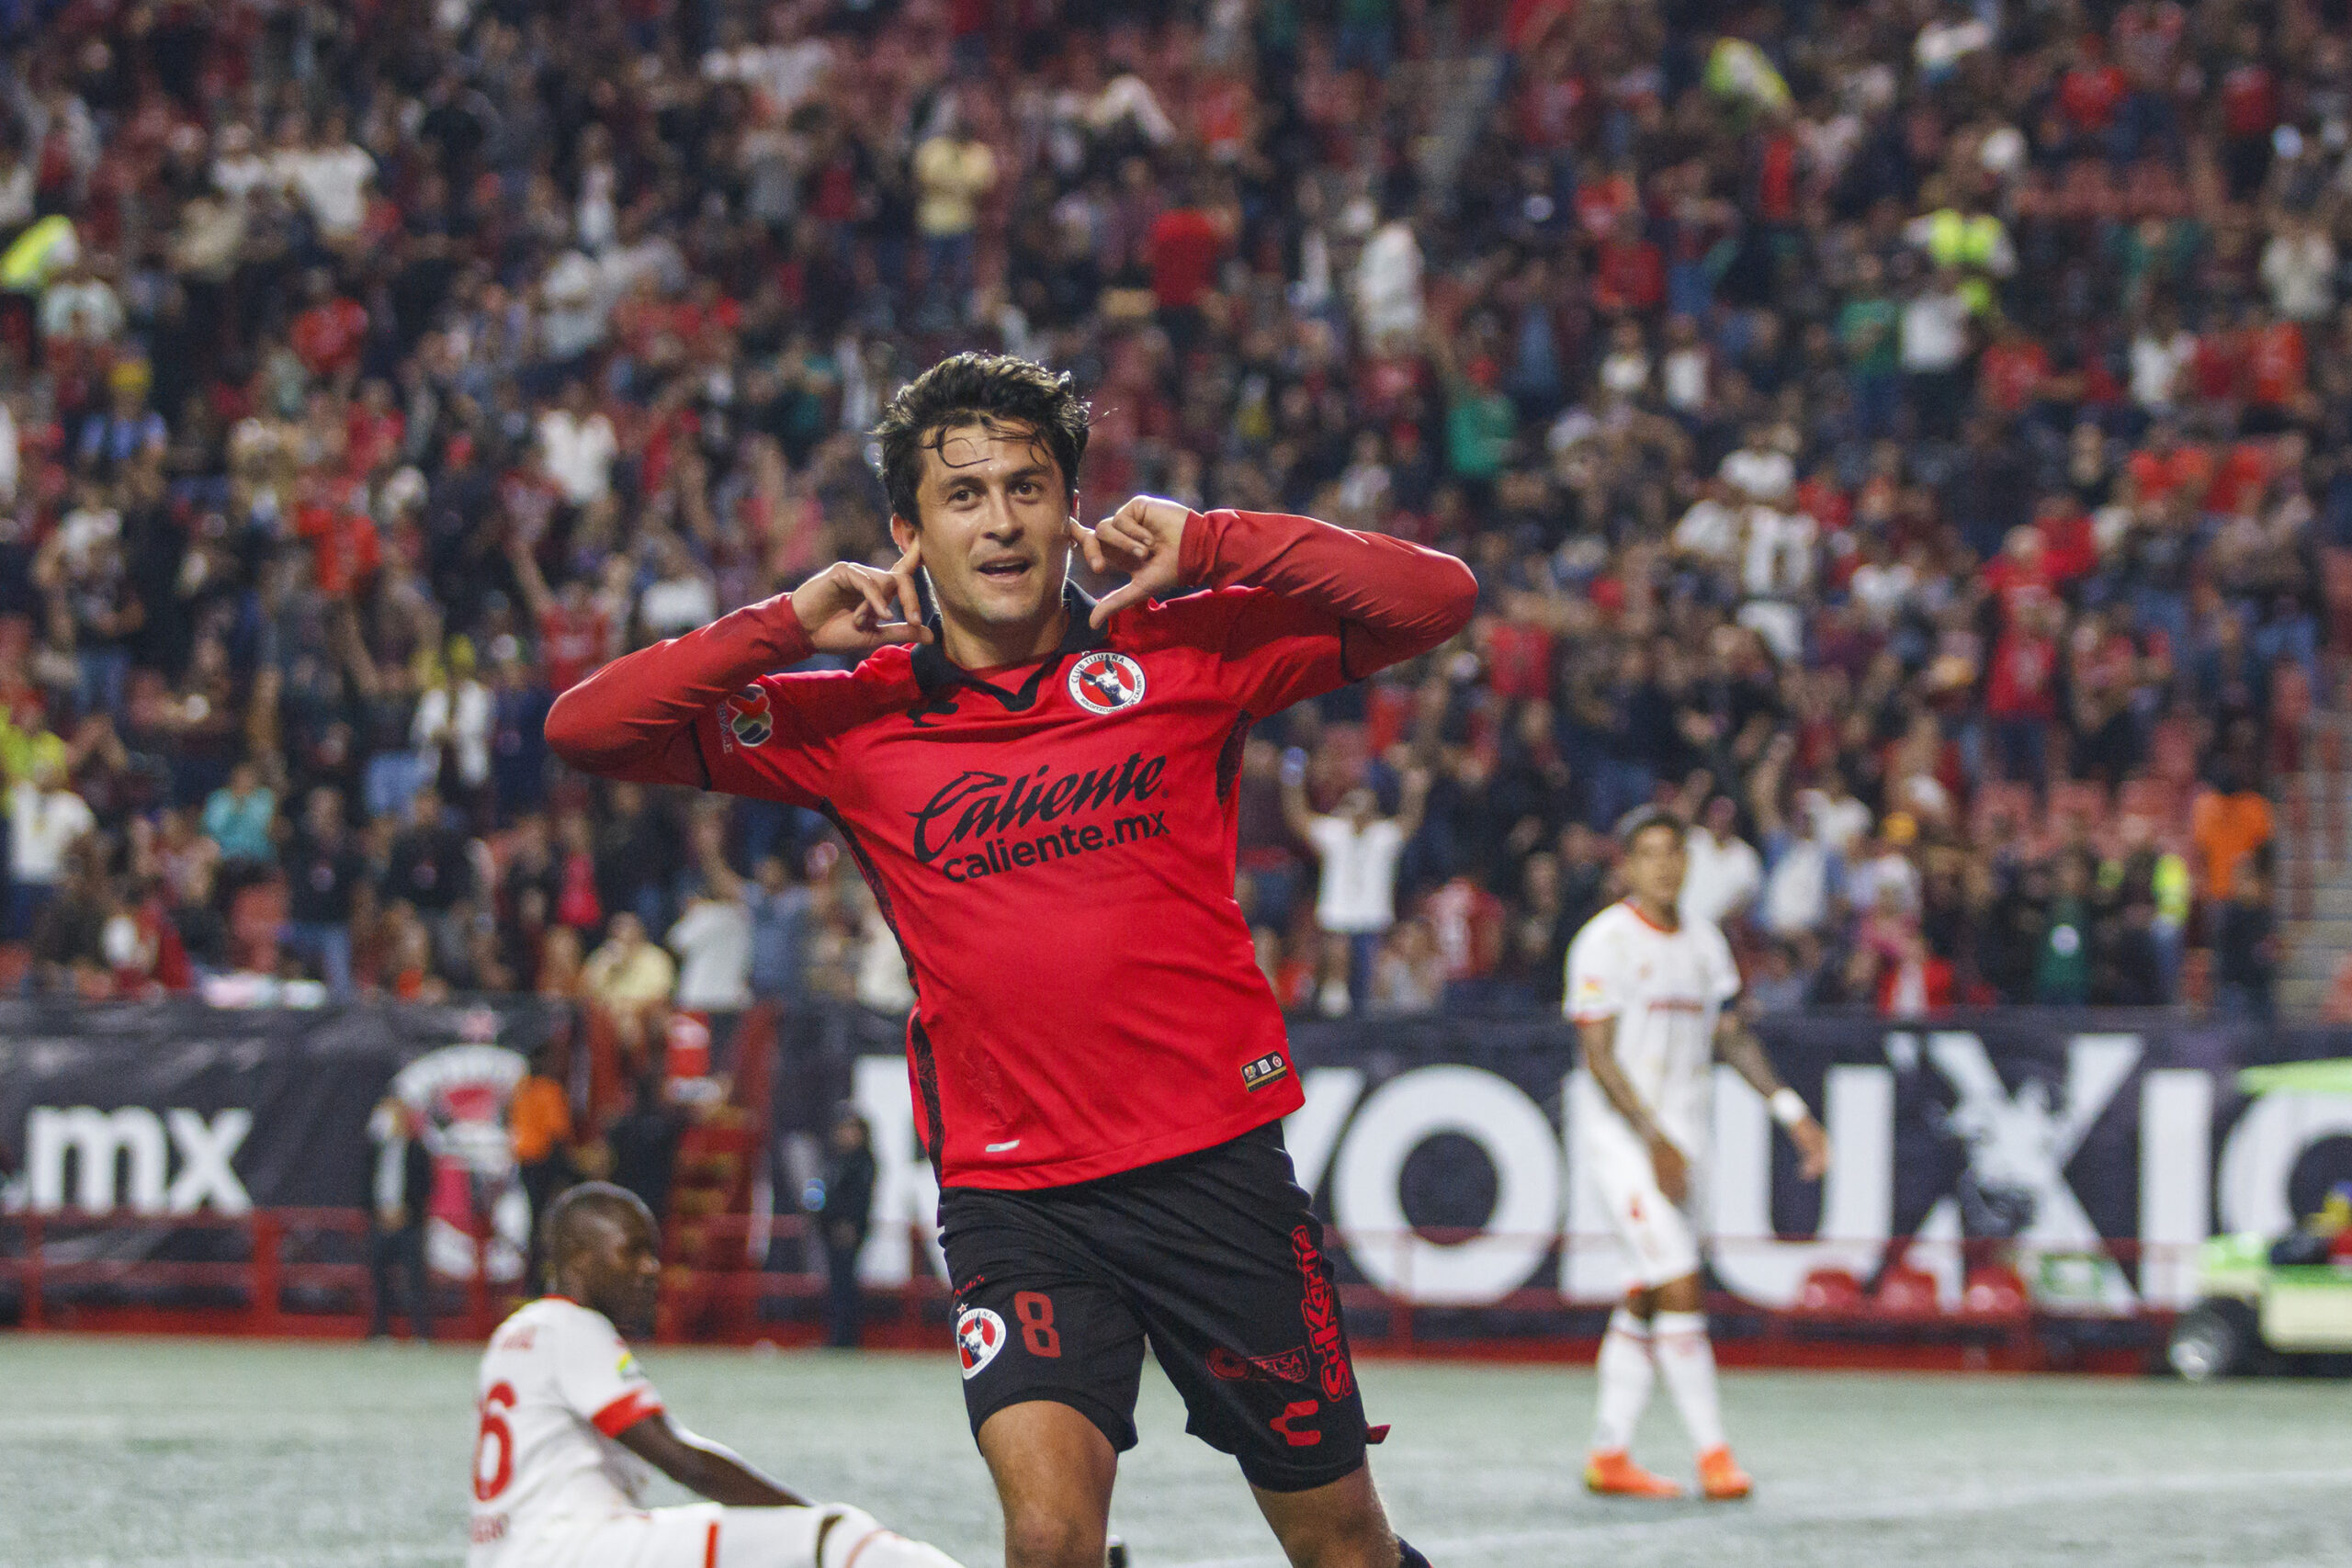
[{"x": 1053, "y": 842}]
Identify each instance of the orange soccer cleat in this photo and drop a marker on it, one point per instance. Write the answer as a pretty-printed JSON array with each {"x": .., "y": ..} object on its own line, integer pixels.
[
  {"x": 1613, "y": 1474},
  {"x": 1720, "y": 1478}
]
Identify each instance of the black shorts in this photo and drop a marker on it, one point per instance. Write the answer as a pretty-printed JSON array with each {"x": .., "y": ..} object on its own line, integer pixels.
[{"x": 1213, "y": 1258}]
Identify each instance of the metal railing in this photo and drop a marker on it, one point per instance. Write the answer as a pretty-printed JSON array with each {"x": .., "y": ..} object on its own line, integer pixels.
[{"x": 304, "y": 1273}]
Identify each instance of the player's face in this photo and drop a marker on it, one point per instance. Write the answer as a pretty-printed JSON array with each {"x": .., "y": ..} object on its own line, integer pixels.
[
  {"x": 995, "y": 525},
  {"x": 1654, "y": 866},
  {"x": 621, "y": 1269}
]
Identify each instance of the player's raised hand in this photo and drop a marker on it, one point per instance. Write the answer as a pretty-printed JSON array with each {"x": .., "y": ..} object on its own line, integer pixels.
[
  {"x": 849, "y": 608},
  {"x": 1813, "y": 1148},
  {"x": 1145, "y": 539}
]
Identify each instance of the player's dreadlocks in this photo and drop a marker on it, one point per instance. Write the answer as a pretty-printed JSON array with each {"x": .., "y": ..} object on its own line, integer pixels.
[{"x": 1002, "y": 394}]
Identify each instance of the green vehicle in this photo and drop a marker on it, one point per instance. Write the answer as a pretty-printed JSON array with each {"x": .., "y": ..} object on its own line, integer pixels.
[{"x": 2255, "y": 1314}]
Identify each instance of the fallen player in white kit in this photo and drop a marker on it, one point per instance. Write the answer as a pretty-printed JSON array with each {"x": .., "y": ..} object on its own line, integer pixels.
[
  {"x": 1646, "y": 991},
  {"x": 571, "y": 1431}
]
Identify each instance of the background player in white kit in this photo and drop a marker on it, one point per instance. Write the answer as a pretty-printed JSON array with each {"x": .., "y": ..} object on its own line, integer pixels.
[
  {"x": 571, "y": 1431},
  {"x": 1646, "y": 990}
]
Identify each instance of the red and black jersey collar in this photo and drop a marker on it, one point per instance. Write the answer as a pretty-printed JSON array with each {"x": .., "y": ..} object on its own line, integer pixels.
[{"x": 938, "y": 677}]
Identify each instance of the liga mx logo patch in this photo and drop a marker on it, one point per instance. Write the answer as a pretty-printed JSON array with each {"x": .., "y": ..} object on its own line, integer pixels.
[
  {"x": 1106, "y": 682},
  {"x": 748, "y": 717},
  {"x": 979, "y": 1334},
  {"x": 1268, "y": 1068}
]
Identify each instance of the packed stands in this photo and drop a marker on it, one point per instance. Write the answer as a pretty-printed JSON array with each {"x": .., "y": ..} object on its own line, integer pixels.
[{"x": 1907, "y": 436}]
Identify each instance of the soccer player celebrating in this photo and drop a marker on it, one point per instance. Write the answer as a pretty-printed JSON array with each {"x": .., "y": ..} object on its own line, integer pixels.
[
  {"x": 1040, "y": 789},
  {"x": 570, "y": 1427},
  {"x": 1646, "y": 990}
]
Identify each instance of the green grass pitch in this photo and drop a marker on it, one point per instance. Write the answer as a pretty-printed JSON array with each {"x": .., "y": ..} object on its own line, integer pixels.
[{"x": 201, "y": 1454}]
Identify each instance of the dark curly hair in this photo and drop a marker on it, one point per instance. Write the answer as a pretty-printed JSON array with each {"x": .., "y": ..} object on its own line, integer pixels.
[
  {"x": 996, "y": 391},
  {"x": 1642, "y": 819}
]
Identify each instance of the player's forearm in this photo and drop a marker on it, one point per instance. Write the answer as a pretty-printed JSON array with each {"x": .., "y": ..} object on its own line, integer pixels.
[
  {"x": 710, "y": 1470},
  {"x": 635, "y": 717},
  {"x": 1600, "y": 1060},
  {"x": 1737, "y": 1047},
  {"x": 724, "y": 1478},
  {"x": 1397, "y": 598}
]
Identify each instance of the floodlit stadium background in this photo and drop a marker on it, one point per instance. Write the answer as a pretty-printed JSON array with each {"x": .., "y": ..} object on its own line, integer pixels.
[{"x": 1907, "y": 436}]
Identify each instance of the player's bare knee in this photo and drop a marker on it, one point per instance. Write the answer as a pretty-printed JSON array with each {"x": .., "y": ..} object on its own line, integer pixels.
[
  {"x": 1340, "y": 1526},
  {"x": 1356, "y": 1540},
  {"x": 1049, "y": 1539}
]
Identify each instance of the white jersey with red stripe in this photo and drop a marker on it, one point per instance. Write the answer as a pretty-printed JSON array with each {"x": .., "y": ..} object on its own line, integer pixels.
[
  {"x": 556, "y": 1387},
  {"x": 1665, "y": 988}
]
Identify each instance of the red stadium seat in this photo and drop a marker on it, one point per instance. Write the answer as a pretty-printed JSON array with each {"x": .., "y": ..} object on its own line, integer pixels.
[
  {"x": 1993, "y": 1289},
  {"x": 1906, "y": 1291},
  {"x": 1830, "y": 1290}
]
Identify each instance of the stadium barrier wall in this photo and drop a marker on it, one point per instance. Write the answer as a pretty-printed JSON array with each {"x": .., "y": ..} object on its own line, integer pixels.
[{"x": 1997, "y": 1174}]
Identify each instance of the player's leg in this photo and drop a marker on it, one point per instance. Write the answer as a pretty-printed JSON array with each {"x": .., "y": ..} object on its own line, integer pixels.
[
  {"x": 828, "y": 1535},
  {"x": 1686, "y": 1361},
  {"x": 1624, "y": 1373},
  {"x": 1663, "y": 1248},
  {"x": 1338, "y": 1525},
  {"x": 1053, "y": 1470},
  {"x": 1053, "y": 1360},
  {"x": 1224, "y": 1259},
  {"x": 705, "y": 1535},
  {"x": 419, "y": 1293}
]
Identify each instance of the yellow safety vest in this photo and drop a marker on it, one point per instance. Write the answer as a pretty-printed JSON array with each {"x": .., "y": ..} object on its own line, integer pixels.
[{"x": 25, "y": 265}]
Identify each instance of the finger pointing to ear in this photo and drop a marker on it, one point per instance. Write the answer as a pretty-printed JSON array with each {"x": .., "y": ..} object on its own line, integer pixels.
[{"x": 1089, "y": 545}]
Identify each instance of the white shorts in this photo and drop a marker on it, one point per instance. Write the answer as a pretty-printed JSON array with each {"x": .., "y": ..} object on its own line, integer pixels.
[
  {"x": 1662, "y": 1236},
  {"x": 697, "y": 1535}
]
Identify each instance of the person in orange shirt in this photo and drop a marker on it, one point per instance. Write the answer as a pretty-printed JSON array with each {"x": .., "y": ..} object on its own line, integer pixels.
[
  {"x": 2229, "y": 822},
  {"x": 538, "y": 1119}
]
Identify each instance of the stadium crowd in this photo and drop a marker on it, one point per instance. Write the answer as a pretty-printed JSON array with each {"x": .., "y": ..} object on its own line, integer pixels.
[{"x": 1905, "y": 435}]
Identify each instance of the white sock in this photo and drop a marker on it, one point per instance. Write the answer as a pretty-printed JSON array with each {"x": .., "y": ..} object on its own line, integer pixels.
[
  {"x": 1626, "y": 1374},
  {"x": 1686, "y": 1361},
  {"x": 858, "y": 1540}
]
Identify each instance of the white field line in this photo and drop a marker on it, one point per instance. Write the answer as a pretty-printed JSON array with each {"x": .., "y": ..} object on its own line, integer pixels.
[{"x": 1711, "y": 1519}]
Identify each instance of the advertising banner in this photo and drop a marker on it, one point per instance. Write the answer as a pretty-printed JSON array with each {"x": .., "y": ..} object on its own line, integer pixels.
[
  {"x": 2092, "y": 1150},
  {"x": 170, "y": 1109}
]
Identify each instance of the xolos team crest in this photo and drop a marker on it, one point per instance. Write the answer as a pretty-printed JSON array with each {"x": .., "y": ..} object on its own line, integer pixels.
[
  {"x": 979, "y": 1334},
  {"x": 1106, "y": 682}
]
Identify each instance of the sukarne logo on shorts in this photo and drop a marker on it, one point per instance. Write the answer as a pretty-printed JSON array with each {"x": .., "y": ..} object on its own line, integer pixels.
[
  {"x": 979, "y": 1334},
  {"x": 1321, "y": 1314}
]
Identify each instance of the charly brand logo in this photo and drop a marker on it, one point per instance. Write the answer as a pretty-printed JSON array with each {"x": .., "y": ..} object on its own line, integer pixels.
[
  {"x": 979, "y": 1334},
  {"x": 963, "y": 830},
  {"x": 749, "y": 718},
  {"x": 1106, "y": 682}
]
